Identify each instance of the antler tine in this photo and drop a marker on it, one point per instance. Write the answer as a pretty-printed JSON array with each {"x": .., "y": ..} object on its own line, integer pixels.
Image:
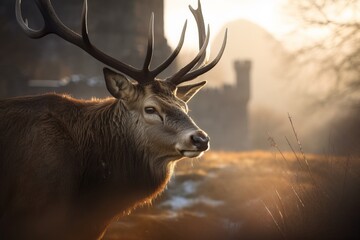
[
  {"x": 25, "y": 26},
  {"x": 84, "y": 26},
  {"x": 197, "y": 13},
  {"x": 150, "y": 47},
  {"x": 172, "y": 57},
  {"x": 52, "y": 24},
  {"x": 193, "y": 74},
  {"x": 102, "y": 57},
  {"x": 177, "y": 77}
]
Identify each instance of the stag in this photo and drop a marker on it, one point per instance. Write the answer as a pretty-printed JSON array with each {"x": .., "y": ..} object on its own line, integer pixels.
[{"x": 68, "y": 167}]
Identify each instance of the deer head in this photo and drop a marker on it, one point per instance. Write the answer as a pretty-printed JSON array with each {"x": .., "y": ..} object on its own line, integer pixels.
[{"x": 158, "y": 107}]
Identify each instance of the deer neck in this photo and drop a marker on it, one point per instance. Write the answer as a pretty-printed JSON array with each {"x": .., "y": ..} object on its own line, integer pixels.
[{"x": 118, "y": 163}]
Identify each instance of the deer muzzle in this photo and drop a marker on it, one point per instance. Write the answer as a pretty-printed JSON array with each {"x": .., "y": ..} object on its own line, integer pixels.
[{"x": 194, "y": 144}]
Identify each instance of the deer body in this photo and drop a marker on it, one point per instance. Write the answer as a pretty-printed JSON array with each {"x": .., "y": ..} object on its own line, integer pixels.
[
  {"x": 68, "y": 167},
  {"x": 84, "y": 161}
]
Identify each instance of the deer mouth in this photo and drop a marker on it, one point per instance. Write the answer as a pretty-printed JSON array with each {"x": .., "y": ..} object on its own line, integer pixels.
[{"x": 191, "y": 153}]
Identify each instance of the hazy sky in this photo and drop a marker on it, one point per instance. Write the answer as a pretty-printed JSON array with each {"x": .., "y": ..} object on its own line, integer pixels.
[{"x": 269, "y": 14}]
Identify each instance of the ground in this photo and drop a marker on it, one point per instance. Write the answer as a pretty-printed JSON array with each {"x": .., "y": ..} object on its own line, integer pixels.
[{"x": 252, "y": 195}]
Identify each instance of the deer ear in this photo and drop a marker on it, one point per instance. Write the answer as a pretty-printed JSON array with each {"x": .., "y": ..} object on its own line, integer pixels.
[
  {"x": 118, "y": 85},
  {"x": 186, "y": 92}
]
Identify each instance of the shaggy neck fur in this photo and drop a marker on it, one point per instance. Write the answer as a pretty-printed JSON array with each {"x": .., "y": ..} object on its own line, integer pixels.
[{"x": 109, "y": 175}]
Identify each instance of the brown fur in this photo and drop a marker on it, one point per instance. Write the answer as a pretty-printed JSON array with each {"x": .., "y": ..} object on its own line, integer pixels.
[{"x": 68, "y": 167}]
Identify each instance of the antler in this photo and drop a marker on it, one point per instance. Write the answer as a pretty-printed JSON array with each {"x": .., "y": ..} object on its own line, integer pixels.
[
  {"x": 52, "y": 24},
  {"x": 193, "y": 69},
  {"x": 197, "y": 13}
]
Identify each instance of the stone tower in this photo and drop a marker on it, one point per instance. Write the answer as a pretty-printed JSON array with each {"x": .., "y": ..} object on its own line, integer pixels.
[
  {"x": 223, "y": 113},
  {"x": 243, "y": 71}
]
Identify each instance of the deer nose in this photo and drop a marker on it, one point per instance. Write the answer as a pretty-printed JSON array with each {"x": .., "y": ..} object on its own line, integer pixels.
[{"x": 200, "y": 140}]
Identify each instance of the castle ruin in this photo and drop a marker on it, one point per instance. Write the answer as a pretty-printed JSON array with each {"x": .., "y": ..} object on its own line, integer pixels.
[{"x": 223, "y": 112}]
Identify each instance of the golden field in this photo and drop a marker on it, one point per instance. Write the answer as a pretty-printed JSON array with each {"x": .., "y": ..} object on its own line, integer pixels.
[{"x": 252, "y": 195}]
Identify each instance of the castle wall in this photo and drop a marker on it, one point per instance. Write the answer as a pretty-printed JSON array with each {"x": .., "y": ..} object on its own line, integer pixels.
[{"x": 223, "y": 113}]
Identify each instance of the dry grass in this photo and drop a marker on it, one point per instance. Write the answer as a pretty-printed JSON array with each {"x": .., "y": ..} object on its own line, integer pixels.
[
  {"x": 253, "y": 195},
  {"x": 330, "y": 208}
]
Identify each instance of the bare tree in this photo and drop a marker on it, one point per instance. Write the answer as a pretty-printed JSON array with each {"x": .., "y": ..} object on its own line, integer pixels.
[{"x": 331, "y": 31}]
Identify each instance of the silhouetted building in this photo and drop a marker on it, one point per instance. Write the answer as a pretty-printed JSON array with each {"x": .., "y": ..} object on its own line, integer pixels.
[{"x": 223, "y": 113}]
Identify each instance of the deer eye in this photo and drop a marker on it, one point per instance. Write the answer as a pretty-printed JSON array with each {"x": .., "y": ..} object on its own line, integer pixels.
[
  {"x": 150, "y": 110},
  {"x": 153, "y": 113}
]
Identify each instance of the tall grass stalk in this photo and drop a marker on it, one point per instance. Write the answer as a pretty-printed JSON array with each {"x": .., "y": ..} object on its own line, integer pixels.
[
  {"x": 301, "y": 150},
  {"x": 274, "y": 220}
]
